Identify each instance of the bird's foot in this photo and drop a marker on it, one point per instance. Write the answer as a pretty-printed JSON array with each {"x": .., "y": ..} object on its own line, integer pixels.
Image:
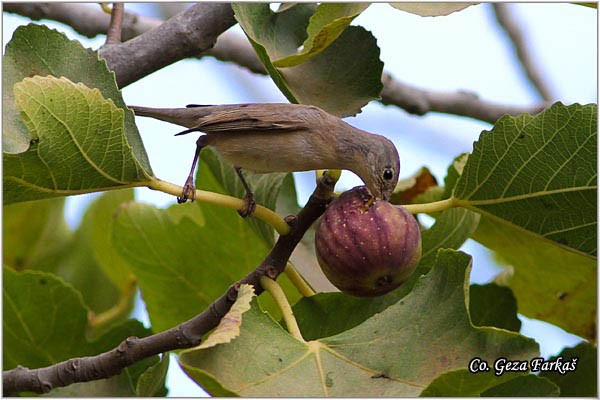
[
  {"x": 189, "y": 191},
  {"x": 248, "y": 207}
]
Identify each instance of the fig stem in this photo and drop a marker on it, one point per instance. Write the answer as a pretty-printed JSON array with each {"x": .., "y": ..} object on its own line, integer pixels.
[
  {"x": 298, "y": 281},
  {"x": 288, "y": 315},
  {"x": 226, "y": 201},
  {"x": 431, "y": 207}
]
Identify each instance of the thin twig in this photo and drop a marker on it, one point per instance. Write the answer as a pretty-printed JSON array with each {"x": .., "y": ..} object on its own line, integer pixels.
[
  {"x": 261, "y": 212},
  {"x": 113, "y": 34},
  {"x": 506, "y": 19},
  {"x": 185, "y": 335},
  {"x": 232, "y": 47}
]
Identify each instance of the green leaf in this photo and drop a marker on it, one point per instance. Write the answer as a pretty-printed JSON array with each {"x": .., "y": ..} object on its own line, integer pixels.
[
  {"x": 287, "y": 201},
  {"x": 38, "y": 50},
  {"x": 451, "y": 229},
  {"x": 44, "y": 322},
  {"x": 493, "y": 305},
  {"x": 340, "y": 79},
  {"x": 538, "y": 175},
  {"x": 455, "y": 170},
  {"x": 79, "y": 268},
  {"x": 36, "y": 237},
  {"x": 185, "y": 257},
  {"x": 464, "y": 383},
  {"x": 431, "y": 9},
  {"x": 152, "y": 381},
  {"x": 34, "y": 234},
  {"x": 524, "y": 386},
  {"x": 395, "y": 353},
  {"x": 79, "y": 144},
  {"x": 318, "y": 316},
  {"x": 583, "y": 382},
  {"x": 182, "y": 267},
  {"x": 326, "y": 24},
  {"x": 223, "y": 179},
  {"x": 97, "y": 225},
  {"x": 550, "y": 283}
]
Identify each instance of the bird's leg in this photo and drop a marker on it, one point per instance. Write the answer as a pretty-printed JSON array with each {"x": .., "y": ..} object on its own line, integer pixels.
[
  {"x": 189, "y": 190},
  {"x": 249, "y": 203}
]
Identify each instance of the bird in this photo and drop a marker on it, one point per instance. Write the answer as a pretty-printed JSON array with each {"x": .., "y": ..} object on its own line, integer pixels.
[{"x": 282, "y": 137}]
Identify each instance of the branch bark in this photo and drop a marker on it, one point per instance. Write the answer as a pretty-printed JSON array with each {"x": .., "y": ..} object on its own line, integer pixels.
[
  {"x": 186, "y": 335},
  {"x": 507, "y": 21},
  {"x": 113, "y": 35},
  {"x": 85, "y": 20},
  {"x": 467, "y": 104},
  {"x": 187, "y": 34},
  {"x": 231, "y": 47}
]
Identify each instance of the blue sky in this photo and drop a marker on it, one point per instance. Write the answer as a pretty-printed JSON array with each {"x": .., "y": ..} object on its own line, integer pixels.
[{"x": 463, "y": 51}]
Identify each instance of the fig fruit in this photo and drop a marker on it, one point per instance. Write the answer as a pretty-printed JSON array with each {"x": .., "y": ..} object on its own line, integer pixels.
[{"x": 366, "y": 247}]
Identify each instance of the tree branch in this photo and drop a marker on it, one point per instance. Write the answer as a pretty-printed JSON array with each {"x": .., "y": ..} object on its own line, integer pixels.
[
  {"x": 113, "y": 35},
  {"x": 506, "y": 20},
  {"x": 187, "y": 34},
  {"x": 185, "y": 335},
  {"x": 85, "y": 20},
  {"x": 231, "y": 47},
  {"x": 421, "y": 101}
]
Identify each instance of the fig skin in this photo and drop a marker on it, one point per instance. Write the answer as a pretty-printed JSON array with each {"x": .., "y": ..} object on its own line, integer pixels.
[{"x": 367, "y": 250}]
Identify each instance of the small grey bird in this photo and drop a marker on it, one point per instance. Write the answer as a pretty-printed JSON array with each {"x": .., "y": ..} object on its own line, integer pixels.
[{"x": 283, "y": 138}]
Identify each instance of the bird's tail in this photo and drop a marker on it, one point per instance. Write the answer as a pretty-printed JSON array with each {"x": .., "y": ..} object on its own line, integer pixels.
[{"x": 187, "y": 117}]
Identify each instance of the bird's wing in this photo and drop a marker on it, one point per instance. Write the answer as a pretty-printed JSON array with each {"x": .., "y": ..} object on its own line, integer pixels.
[{"x": 252, "y": 118}]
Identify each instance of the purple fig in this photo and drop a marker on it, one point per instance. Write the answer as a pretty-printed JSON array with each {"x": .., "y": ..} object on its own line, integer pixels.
[{"x": 366, "y": 247}]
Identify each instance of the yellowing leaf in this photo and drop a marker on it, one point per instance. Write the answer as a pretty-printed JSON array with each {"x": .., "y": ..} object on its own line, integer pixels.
[
  {"x": 326, "y": 24},
  {"x": 229, "y": 327}
]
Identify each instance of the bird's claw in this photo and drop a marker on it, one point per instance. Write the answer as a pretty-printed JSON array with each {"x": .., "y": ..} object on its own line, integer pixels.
[
  {"x": 248, "y": 207},
  {"x": 188, "y": 192}
]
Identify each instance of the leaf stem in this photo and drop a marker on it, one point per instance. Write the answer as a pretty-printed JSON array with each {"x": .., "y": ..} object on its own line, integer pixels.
[
  {"x": 227, "y": 201},
  {"x": 298, "y": 281},
  {"x": 288, "y": 315},
  {"x": 431, "y": 207}
]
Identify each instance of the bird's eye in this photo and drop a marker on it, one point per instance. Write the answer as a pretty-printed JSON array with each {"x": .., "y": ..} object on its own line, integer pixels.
[{"x": 388, "y": 174}]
